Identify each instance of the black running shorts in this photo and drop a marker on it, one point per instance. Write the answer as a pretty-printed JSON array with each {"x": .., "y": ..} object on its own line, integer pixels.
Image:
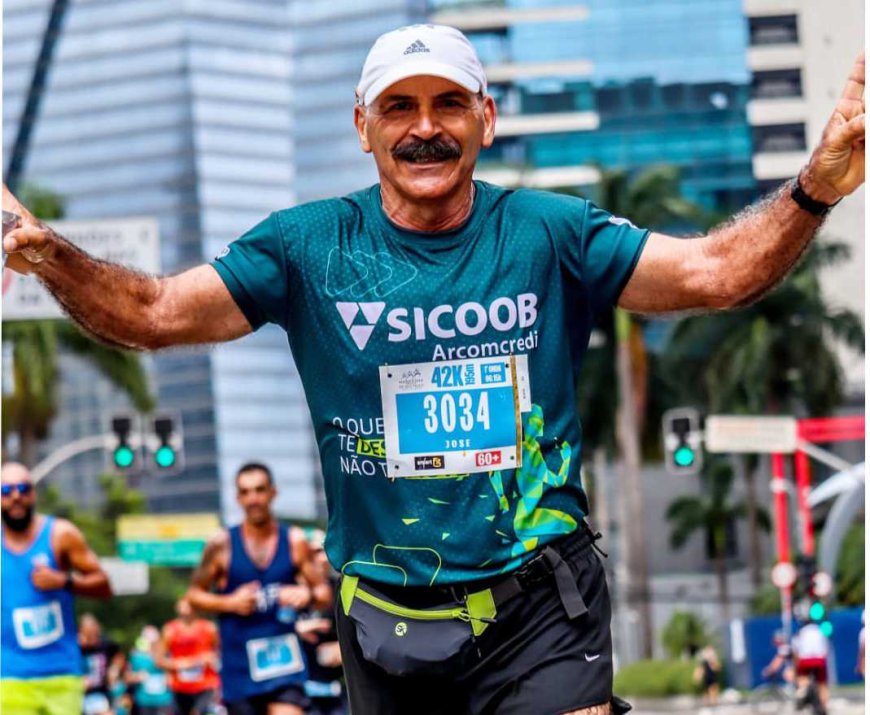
[{"x": 532, "y": 661}]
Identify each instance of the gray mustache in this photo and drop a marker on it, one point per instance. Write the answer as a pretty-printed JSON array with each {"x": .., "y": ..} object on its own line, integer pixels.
[{"x": 423, "y": 151}]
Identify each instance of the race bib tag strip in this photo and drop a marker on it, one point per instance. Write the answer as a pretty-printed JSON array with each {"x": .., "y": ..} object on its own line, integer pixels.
[
  {"x": 38, "y": 626},
  {"x": 274, "y": 657},
  {"x": 454, "y": 417}
]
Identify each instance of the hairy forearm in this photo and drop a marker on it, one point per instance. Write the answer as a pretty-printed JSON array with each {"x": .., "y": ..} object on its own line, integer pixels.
[
  {"x": 209, "y": 602},
  {"x": 92, "y": 585},
  {"x": 112, "y": 302},
  {"x": 757, "y": 248}
]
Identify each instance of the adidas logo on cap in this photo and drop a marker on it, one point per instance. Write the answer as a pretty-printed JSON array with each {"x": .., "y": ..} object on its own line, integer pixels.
[{"x": 415, "y": 46}]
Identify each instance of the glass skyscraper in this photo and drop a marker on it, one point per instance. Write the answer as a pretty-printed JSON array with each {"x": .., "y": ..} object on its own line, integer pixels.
[
  {"x": 181, "y": 111},
  {"x": 617, "y": 84}
]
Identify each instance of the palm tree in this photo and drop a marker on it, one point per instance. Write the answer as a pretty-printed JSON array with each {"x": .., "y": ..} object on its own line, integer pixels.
[
  {"x": 32, "y": 404},
  {"x": 715, "y": 514},
  {"x": 774, "y": 357},
  {"x": 652, "y": 199}
]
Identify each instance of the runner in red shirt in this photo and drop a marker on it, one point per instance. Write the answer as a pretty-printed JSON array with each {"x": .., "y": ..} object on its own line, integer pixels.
[{"x": 188, "y": 652}]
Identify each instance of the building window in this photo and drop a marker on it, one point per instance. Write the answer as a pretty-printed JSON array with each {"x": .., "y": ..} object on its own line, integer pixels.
[
  {"x": 776, "y": 83},
  {"x": 775, "y": 30},
  {"x": 779, "y": 138}
]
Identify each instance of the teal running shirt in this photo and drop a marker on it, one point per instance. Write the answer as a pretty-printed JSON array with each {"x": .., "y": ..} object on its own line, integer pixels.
[{"x": 525, "y": 275}]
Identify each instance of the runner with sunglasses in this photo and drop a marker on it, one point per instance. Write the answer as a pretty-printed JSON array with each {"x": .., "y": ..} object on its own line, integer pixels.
[{"x": 46, "y": 562}]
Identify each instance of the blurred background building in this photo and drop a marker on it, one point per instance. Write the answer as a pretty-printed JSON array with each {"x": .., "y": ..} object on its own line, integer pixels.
[
  {"x": 800, "y": 53},
  {"x": 180, "y": 111},
  {"x": 615, "y": 85}
]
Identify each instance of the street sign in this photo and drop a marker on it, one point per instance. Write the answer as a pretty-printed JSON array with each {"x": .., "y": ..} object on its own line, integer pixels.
[
  {"x": 165, "y": 539},
  {"x": 784, "y": 574},
  {"x": 181, "y": 552},
  {"x": 751, "y": 434},
  {"x": 127, "y": 578},
  {"x": 133, "y": 242}
]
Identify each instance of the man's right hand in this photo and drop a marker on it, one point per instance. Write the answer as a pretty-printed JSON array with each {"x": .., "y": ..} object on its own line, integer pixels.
[
  {"x": 243, "y": 601},
  {"x": 28, "y": 243}
]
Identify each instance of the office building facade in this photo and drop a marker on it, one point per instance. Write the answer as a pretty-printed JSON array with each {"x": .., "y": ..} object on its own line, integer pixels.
[
  {"x": 181, "y": 111},
  {"x": 800, "y": 53},
  {"x": 616, "y": 84}
]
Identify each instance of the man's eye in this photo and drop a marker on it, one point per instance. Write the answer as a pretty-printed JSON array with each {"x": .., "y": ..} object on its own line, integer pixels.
[{"x": 399, "y": 107}]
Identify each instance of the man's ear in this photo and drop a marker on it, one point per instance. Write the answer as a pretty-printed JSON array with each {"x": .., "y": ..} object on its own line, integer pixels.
[
  {"x": 489, "y": 113},
  {"x": 359, "y": 120}
]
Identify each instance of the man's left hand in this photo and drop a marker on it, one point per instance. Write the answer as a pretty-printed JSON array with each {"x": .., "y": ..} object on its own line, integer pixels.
[
  {"x": 45, "y": 578},
  {"x": 836, "y": 167}
]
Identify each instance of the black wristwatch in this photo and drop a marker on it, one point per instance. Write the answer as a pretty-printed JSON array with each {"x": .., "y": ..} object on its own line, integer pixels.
[
  {"x": 68, "y": 584},
  {"x": 816, "y": 208}
]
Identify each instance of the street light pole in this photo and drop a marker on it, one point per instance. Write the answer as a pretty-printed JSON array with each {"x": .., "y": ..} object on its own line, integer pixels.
[{"x": 68, "y": 451}]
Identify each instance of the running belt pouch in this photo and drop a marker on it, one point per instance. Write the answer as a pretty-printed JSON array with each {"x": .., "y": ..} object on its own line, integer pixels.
[{"x": 399, "y": 642}]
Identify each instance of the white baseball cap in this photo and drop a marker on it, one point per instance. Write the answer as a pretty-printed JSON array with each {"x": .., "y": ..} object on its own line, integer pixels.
[{"x": 415, "y": 50}]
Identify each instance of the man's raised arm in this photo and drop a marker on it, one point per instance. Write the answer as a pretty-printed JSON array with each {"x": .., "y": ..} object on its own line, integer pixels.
[
  {"x": 740, "y": 261},
  {"x": 212, "y": 568},
  {"x": 121, "y": 306}
]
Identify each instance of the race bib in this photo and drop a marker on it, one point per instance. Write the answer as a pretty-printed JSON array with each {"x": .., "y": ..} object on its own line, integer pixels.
[
  {"x": 95, "y": 704},
  {"x": 191, "y": 675},
  {"x": 454, "y": 417},
  {"x": 38, "y": 626},
  {"x": 155, "y": 684},
  {"x": 274, "y": 657}
]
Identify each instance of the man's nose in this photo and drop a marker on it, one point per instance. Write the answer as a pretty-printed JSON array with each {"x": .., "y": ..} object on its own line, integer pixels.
[{"x": 426, "y": 124}]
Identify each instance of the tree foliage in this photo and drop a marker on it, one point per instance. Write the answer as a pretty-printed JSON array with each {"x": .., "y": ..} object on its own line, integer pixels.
[
  {"x": 775, "y": 356},
  {"x": 649, "y": 198},
  {"x": 684, "y": 634},
  {"x": 850, "y": 568},
  {"x": 713, "y": 513}
]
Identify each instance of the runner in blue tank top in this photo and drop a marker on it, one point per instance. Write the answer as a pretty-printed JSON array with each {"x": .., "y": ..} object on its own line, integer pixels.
[
  {"x": 45, "y": 563},
  {"x": 439, "y": 324},
  {"x": 262, "y": 574}
]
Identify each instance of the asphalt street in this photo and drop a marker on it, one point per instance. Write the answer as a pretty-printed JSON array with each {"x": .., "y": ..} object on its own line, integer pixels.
[{"x": 853, "y": 705}]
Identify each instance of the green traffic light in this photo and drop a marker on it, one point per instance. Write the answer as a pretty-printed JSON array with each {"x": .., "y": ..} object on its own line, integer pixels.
[
  {"x": 817, "y": 611},
  {"x": 827, "y": 628},
  {"x": 164, "y": 457},
  {"x": 684, "y": 457},
  {"x": 124, "y": 457}
]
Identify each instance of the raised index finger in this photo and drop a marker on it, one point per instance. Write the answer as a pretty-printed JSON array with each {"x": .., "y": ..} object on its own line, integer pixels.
[{"x": 855, "y": 84}]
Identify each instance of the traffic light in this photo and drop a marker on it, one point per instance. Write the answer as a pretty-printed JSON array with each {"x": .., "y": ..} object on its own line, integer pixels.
[
  {"x": 124, "y": 445},
  {"x": 165, "y": 442},
  {"x": 681, "y": 432},
  {"x": 819, "y": 615},
  {"x": 821, "y": 586}
]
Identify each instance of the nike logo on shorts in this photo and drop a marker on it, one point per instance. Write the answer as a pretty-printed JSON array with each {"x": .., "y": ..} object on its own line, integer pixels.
[{"x": 590, "y": 658}]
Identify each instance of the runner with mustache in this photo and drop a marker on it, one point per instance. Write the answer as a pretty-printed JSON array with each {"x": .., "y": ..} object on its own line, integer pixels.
[{"x": 438, "y": 325}]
